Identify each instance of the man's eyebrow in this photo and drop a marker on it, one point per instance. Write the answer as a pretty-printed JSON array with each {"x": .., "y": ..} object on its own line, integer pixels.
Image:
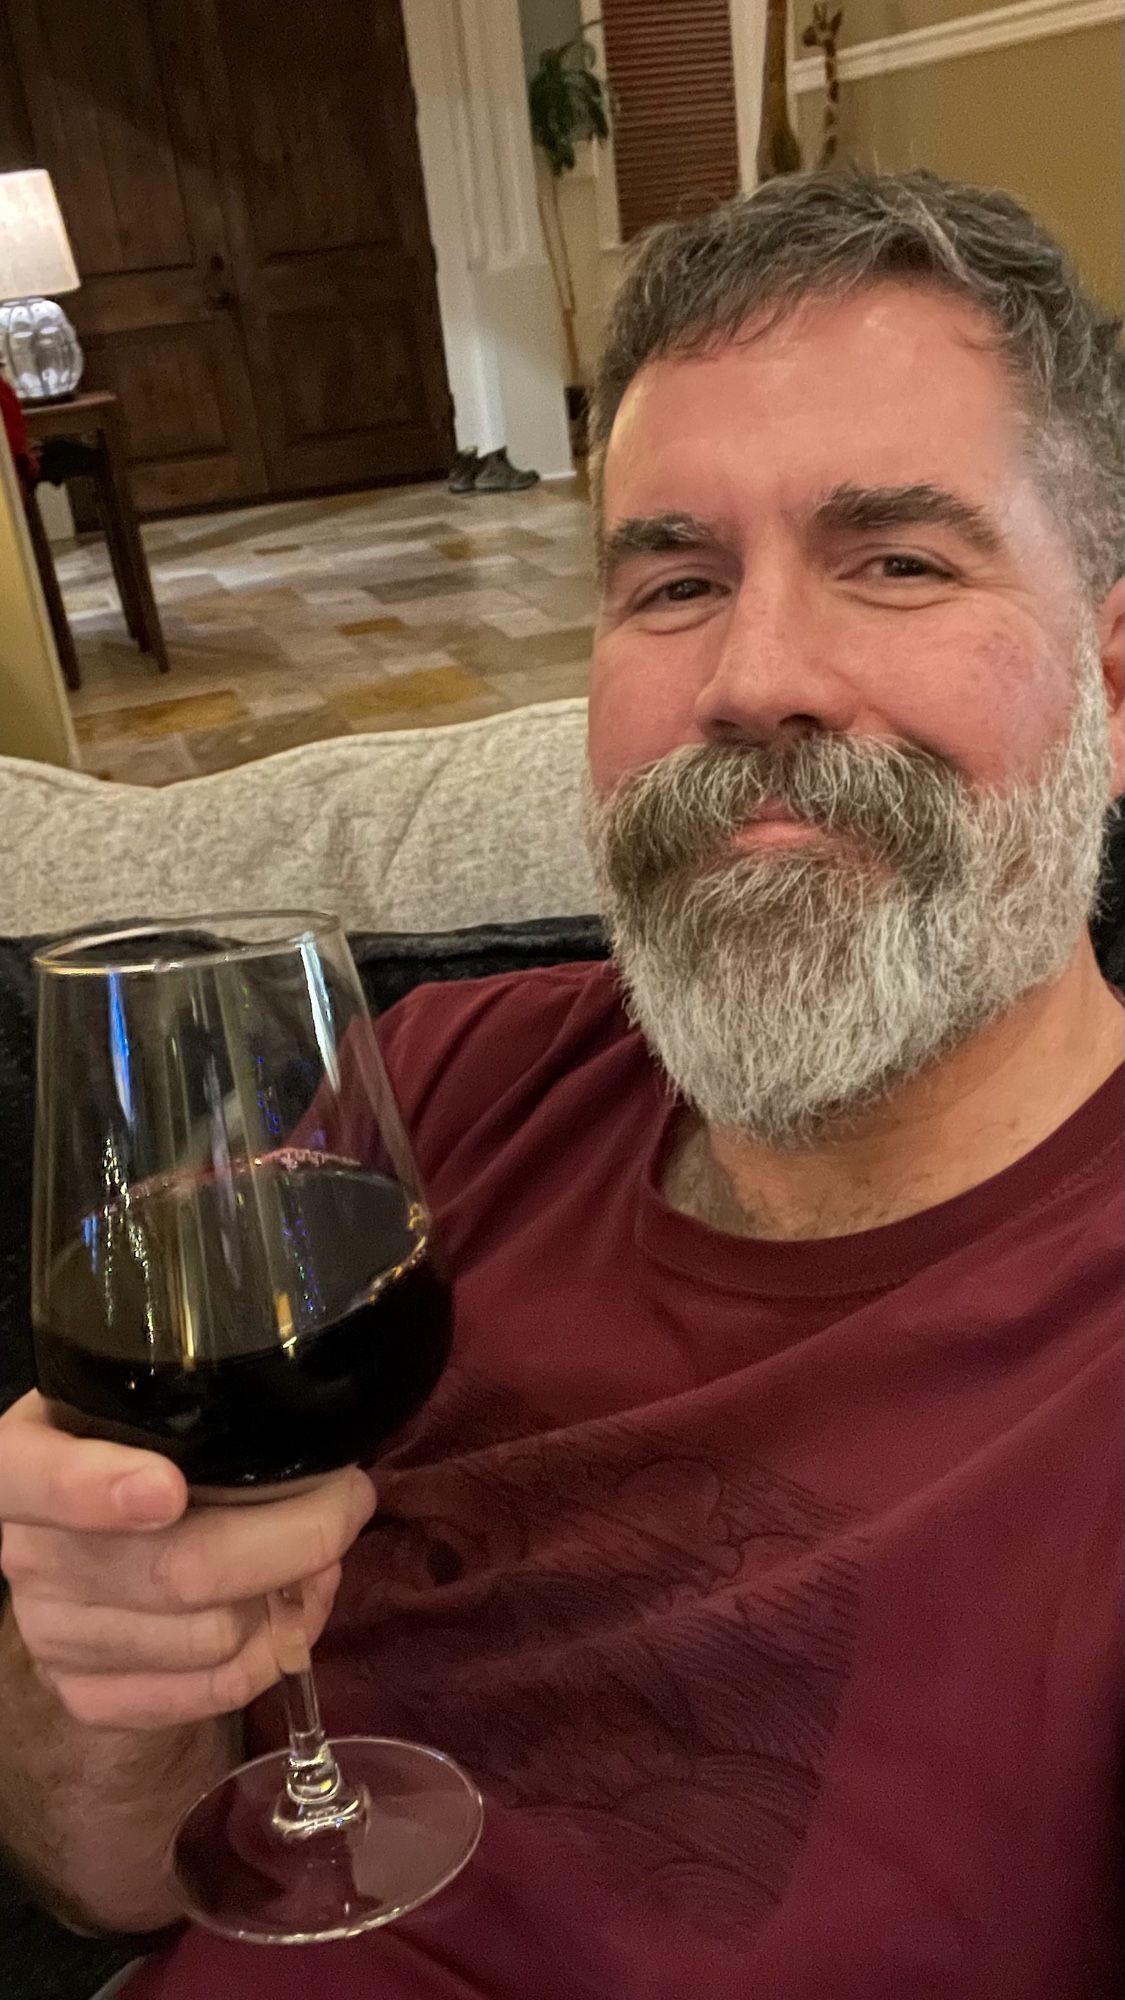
[
  {"x": 867, "y": 509},
  {"x": 651, "y": 535}
]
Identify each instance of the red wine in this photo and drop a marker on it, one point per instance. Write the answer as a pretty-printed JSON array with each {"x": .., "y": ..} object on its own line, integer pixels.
[{"x": 258, "y": 1327}]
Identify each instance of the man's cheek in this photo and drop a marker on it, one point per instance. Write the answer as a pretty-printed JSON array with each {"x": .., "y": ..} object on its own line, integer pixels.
[
  {"x": 995, "y": 719},
  {"x": 637, "y": 715}
]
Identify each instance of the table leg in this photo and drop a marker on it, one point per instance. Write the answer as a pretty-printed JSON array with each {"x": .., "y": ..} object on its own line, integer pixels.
[
  {"x": 56, "y": 609},
  {"x": 120, "y": 553},
  {"x": 126, "y": 531}
]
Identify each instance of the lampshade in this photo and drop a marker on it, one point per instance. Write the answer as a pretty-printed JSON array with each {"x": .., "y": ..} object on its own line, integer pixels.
[{"x": 35, "y": 254}]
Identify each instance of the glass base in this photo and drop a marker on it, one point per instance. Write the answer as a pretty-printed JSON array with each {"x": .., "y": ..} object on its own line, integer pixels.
[{"x": 239, "y": 1873}]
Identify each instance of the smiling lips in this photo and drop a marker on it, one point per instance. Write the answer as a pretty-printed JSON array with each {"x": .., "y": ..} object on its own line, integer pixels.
[{"x": 773, "y": 824}]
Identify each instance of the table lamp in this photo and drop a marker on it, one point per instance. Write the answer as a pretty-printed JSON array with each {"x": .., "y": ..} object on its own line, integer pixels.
[{"x": 39, "y": 349}]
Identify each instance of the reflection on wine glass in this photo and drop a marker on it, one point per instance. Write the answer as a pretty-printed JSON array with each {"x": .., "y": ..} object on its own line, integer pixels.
[{"x": 234, "y": 1265}]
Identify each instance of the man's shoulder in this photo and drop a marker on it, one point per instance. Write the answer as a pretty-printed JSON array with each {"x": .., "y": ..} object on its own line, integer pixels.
[
  {"x": 474, "y": 1038},
  {"x": 539, "y": 996}
]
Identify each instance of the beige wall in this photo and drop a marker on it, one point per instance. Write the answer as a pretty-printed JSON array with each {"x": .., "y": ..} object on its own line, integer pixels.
[
  {"x": 34, "y": 716},
  {"x": 1043, "y": 119},
  {"x": 546, "y": 24}
]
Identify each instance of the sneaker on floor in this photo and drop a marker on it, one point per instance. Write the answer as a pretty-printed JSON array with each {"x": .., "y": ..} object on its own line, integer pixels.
[
  {"x": 496, "y": 475},
  {"x": 463, "y": 471}
]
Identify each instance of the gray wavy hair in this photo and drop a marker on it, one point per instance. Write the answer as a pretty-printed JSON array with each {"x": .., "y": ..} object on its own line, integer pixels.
[{"x": 828, "y": 235}]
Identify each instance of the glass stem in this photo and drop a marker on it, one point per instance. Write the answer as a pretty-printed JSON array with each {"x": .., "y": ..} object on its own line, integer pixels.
[{"x": 316, "y": 1795}]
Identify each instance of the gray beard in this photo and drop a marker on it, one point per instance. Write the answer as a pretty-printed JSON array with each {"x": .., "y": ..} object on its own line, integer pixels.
[{"x": 787, "y": 992}]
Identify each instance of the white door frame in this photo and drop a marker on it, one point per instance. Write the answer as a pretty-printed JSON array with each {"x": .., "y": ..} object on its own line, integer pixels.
[
  {"x": 499, "y": 312},
  {"x": 748, "y": 42}
]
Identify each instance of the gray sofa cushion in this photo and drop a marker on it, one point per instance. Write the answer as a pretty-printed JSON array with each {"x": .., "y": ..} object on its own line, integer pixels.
[{"x": 418, "y": 830}]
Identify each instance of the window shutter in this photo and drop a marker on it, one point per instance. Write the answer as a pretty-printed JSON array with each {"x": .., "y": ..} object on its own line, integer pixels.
[{"x": 675, "y": 139}]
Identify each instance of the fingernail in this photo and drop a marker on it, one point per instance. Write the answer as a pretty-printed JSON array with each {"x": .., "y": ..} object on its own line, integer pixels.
[{"x": 145, "y": 1498}]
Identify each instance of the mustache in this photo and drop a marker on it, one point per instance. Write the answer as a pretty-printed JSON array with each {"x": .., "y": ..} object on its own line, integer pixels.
[{"x": 907, "y": 805}]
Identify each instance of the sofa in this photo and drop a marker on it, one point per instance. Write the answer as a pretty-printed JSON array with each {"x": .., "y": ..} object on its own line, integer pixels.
[{"x": 447, "y": 853}]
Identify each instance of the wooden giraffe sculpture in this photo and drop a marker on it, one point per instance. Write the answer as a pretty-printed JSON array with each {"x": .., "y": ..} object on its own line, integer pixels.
[
  {"x": 779, "y": 150},
  {"x": 822, "y": 33}
]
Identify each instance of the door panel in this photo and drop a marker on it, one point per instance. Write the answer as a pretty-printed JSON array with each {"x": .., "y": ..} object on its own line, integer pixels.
[
  {"x": 114, "y": 108},
  {"x": 173, "y": 401},
  {"x": 99, "y": 109},
  {"x": 16, "y": 143},
  {"x": 326, "y": 217},
  {"x": 305, "y": 170},
  {"x": 320, "y": 403}
]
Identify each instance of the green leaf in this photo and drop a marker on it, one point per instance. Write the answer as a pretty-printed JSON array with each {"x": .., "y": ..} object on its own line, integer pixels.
[{"x": 567, "y": 103}]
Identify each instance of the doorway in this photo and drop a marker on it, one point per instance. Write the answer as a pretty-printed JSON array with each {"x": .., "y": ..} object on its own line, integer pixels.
[{"x": 242, "y": 186}]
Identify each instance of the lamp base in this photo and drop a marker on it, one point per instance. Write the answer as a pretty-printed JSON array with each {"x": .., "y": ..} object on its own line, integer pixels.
[
  {"x": 39, "y": 351},
  {"x": 47, "y": 402}
]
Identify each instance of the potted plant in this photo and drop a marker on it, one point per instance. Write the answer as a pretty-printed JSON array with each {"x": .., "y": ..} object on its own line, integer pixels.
[{"x": 569, "y": 107}]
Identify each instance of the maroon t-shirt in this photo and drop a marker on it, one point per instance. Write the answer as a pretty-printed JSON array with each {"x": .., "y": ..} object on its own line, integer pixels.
[{"x": 771, "y": 1591}]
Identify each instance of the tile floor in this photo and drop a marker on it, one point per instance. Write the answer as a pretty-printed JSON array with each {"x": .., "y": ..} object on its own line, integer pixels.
[{"x": 303, "y": 620}]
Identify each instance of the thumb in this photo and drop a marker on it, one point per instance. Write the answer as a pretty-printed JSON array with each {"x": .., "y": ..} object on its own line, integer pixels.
[{"x": 49, "y": 1479}]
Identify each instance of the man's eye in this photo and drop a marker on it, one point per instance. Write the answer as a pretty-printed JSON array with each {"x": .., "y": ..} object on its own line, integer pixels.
[
  {"x": 907, "y": 569},
  {"x": 681, "y": 590}
]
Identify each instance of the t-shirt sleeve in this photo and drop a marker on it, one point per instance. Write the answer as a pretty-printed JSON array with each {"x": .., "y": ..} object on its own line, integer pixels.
[
  {"x": 425, "y": 1038},
  {"x": 446, "y": 1045},
  {"x": 452, "y": 1051}
]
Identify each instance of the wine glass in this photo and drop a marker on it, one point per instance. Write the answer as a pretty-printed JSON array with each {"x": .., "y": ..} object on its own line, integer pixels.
[{"x": 234, "y": 1265}]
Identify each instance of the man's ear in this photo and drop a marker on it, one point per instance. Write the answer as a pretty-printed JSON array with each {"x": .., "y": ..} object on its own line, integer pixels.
[{"x": 1111, "y": 645}]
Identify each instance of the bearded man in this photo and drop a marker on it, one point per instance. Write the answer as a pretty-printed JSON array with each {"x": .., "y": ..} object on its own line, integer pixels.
[{"x": 760, "y": 1554}]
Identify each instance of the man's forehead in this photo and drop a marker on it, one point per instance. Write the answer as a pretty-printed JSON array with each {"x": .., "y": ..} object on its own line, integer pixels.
[{"x": 811, "y": 352}]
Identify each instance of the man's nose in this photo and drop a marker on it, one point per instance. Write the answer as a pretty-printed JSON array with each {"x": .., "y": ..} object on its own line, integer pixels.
[{"x": 775, "y": 675}]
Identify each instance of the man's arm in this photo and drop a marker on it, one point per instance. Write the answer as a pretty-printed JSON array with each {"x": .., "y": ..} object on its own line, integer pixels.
[
  {"x": 88, "y": 1813},
  {"x": 135, "y": 1635}
]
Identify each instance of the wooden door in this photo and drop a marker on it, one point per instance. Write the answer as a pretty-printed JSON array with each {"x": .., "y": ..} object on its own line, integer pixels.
[
  {"x": 242, "y": 184},
  {"x": 109, "y": 97},
  {"x": 331, "y": 265}
]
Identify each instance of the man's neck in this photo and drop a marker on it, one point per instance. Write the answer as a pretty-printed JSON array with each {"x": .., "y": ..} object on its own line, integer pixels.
[{"x": 947, "y": 1130}]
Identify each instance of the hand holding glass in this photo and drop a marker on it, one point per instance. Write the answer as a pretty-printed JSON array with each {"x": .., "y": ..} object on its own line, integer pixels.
[{"x": 234, "y": 1265}]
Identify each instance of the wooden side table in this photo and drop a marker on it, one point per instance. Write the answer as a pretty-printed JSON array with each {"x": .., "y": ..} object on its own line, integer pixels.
[{"x": 95, "y": 420}]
